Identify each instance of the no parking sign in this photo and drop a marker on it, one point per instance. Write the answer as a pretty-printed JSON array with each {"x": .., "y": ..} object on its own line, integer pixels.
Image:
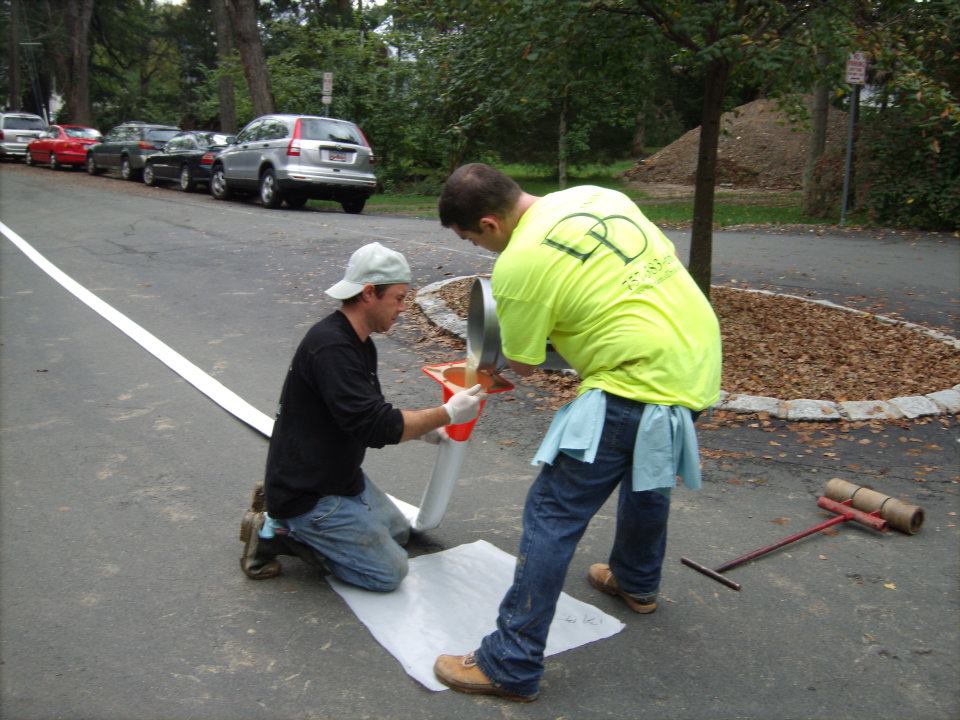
[{"x": 857, "y": 68}]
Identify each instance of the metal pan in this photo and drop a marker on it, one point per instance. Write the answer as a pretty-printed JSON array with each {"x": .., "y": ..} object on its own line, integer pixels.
[
  {"x": 483, "y": 333},
  {"x": 483, "y": 330}
]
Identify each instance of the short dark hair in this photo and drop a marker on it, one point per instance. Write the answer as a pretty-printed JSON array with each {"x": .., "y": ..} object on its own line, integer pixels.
[
  {"x": 378, "y": 290},
  {"x": 473, "y": 191}
]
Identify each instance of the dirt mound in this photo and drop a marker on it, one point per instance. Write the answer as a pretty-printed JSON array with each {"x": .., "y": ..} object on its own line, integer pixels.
[{"x": 759, "y": 148}]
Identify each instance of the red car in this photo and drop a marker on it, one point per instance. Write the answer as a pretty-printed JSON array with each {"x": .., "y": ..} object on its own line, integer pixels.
[{"x": 62, "y": 146}]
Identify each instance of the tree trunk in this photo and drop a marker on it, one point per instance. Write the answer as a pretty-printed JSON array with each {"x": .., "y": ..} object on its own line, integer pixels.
[
  {"x": 639, "y": 135},
  {"x": 818, "y": 140},
  {"x": 15, "y": 82},
  {"x": 77, "y": 92},
  {"x": 243, "y": 15},
  {"x": 562, "y": 142},
  {"x": 228, "y": 104},
  {"x": 701, "y": 236}
]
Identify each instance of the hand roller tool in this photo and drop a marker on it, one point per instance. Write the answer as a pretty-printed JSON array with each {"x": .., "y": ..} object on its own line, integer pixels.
[{"x": 848, "y": 502}]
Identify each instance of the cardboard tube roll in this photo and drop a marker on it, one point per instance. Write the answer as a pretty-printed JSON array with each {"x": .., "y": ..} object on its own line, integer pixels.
[
  {"x": 903, "y": 516},
  {"x": 899, "y": 515}
]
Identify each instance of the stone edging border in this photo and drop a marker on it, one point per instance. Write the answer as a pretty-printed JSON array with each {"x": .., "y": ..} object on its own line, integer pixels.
[{"x": 943, "y": 402}]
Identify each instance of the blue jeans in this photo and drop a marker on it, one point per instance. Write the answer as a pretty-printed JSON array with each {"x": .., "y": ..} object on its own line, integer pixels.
[
  {"x": 560, "y": 504},
  {"x": 361, "y": 537}
]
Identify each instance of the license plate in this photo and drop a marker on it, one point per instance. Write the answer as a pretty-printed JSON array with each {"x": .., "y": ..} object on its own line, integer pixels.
[
  {"x": 336, "y": 156},
  {"x": 24, "y": 138}
]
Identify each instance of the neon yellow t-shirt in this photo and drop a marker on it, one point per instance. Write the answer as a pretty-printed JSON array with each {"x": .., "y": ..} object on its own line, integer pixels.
[{"x": 585, "y": 269}]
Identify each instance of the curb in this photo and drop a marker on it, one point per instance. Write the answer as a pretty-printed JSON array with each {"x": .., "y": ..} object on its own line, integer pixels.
[{"x": 942, "y": 402}]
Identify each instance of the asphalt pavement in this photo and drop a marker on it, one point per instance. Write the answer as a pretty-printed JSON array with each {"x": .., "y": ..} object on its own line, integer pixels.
[{"x": 122, "y": 487}]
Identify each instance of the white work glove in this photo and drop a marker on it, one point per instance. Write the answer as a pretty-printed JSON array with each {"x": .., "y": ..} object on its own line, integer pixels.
[
  {"x": 464, "y": 406},
  {"x": 435, "y": 437}
]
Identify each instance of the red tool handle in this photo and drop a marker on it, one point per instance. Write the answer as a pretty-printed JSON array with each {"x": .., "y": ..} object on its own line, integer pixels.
[{"x": 869, "y": 519}]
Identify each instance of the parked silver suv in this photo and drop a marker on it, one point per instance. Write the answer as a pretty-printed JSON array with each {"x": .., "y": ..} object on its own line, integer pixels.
[
  {"x": 17, "y": 130},
  {"x": 292, "y": 158}
]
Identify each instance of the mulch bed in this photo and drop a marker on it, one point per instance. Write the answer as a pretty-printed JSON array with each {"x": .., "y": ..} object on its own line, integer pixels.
[{"x": 786, "y": 348}]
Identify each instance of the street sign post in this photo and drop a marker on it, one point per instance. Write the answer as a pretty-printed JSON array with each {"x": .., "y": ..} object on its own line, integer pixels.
[
  {"x": 856, "y": 76},
  {"x": 327, "y": 92}
]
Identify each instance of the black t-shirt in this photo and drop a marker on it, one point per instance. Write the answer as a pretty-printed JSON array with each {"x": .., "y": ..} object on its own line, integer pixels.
[{"x": 331, "y": 411}]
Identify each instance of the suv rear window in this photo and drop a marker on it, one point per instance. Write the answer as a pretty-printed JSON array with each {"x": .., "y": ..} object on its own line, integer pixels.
[
  {"x": 339, "y": 132},
  {"x": 23, "y": 123},
  {"x": 161, "y": 135}
]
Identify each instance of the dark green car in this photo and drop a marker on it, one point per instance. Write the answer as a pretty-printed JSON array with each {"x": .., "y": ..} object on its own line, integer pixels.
[{"x": 126, "y": 147}]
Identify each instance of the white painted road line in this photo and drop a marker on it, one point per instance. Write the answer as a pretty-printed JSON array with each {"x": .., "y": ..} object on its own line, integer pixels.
[{"x": 213, "y": 389}]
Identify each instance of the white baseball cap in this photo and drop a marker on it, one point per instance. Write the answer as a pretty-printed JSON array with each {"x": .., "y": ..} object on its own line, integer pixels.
[{"x": 372, "y": 264}]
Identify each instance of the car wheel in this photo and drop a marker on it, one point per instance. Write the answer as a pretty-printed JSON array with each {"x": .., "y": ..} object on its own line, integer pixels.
[
  {"x": 92, "y": 167},
  {"x": 218, "y": 184},
  {"x": 295, "y": 202},
  {"x": 187, "y": 182},
  {"x": 270, "y": 194},
  {"x": 28, "y": 158},
  {"x": 54, "y": 163},
  {"x": 149, "y": 177},
  {"x": 126, "y": 170},
  {"x": 353, "y": 206}
]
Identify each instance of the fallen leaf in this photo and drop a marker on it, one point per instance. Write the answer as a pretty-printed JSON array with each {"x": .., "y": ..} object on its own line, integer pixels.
[{"x": 890, "y": 586}]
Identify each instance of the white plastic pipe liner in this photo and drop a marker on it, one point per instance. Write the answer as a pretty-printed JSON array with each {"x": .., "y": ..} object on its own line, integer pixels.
[
  {"x": 436, "y": 495},
  {"x": 449, "y": 459}
]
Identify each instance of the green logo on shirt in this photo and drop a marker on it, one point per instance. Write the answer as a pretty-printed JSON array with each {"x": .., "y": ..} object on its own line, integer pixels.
[{"x": 580, "y": 235}]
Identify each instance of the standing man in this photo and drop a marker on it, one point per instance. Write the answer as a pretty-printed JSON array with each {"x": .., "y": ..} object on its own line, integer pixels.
[
  {"x": 584, "y": 269},
  {"x": 322, "y": 507}
]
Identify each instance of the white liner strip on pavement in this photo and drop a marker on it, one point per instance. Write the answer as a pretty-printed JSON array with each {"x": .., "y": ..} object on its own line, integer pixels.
[{"x": 213, "y": 389}]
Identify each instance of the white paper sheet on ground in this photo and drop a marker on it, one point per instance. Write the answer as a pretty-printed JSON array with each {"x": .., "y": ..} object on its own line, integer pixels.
[{"x": 448, "y": 602}]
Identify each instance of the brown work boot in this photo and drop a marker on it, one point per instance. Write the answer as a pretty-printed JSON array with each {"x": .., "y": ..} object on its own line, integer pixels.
[
  {"x": 601, "y": 577},
  {"x": 258, "y": 501},
  {"x": 259, "y": 559},
  {"x": 460, "y": 672}
]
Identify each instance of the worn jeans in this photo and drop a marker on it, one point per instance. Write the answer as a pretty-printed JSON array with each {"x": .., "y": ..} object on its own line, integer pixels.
[
  {"x": 361, "y": 536},
  {"x": 560, "y": 504}
]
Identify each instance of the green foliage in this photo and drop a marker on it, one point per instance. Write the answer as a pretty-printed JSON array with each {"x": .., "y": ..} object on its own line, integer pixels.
[
  {"x": 526, "y": 82},
  {"x": 148, "y": 62},
  {"x": 910, "y": 173}
]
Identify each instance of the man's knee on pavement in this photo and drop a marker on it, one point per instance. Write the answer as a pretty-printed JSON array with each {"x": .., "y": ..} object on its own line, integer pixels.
[{"x": 389, "y": 576}]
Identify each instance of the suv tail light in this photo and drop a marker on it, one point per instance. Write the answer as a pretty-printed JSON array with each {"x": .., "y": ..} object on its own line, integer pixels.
[
  {"x": 207, "y": 158},
  {"x": 366, "y": 142},
  {"x": 1, "y": 134},
  {"x": 144, "y": 145},
  {"x": 293, "y": 148}
]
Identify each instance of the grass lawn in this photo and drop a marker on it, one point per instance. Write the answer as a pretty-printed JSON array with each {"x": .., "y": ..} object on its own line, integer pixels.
[{"x": 747, "y": 208}]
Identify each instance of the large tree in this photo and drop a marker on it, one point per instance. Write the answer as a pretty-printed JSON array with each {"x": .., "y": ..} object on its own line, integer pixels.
[
  {"x": 14, "y": 81},
  {"x": 243, "y": 15},
  {"x": 225, "y": 47},
  {"x": 75, "y": 80}
]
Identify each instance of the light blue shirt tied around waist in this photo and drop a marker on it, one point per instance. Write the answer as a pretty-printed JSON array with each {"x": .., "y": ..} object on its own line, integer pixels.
[{"x": 666, "y": 443}]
